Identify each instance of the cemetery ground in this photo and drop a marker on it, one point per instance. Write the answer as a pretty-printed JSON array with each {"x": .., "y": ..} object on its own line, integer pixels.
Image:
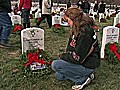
[{"x": 107, "y": 76}]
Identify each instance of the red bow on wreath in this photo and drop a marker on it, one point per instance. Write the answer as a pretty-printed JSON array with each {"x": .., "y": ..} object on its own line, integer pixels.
[
  {"x": 17, "y": 27},
  {"x": 114, "y": 49},
  {"x": 33, "y": 57}
]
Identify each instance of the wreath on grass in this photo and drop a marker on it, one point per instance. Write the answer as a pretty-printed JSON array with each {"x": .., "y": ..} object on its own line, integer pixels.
[
  {"x": 36, "y": 62},
  {"x": 103, "y": 20},
  {"x": 112, "y": 53},
  {"x": 108, "y": 17},
  {"x": 57, "y": 28}
]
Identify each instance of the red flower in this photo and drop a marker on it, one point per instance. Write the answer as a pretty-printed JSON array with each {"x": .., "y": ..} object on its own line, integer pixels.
[
  {"x": 118, "y": 25},
  {"x": 102, "y": 20},
  {"x": 57, "y": 26},
  {"x": 39, "y": 19},
  {"x": 95, "y": 27}
]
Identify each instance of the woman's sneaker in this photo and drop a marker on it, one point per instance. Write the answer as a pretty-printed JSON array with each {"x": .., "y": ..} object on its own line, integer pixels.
[
  {"x": 79, "y": 87},
  {"x": 92, "y": 76},
  {"x": 5, "y": 45}
]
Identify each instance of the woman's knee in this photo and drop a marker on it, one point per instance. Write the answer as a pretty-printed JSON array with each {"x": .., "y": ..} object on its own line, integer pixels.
[
  {"x": 54, "y": 65},
  {"x": 57, "y": 64}
]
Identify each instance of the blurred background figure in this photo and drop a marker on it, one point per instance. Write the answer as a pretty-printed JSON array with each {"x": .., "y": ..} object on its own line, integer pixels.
[
  {"x": 80, "y": 4},
  {"x": 45, "y": 6},
  {"x": 69, "y": 4},
  {"x": 25, "y": 7},
  {"x": 5, "y": 22},
  {"x": 101, "y": 10},
  {"x": 116, "y": 9},
  {"x": 86, "y": 6},
  {"x": 101, "y": 7},
  {"x": 15, "y": 9},
  {"x": 95, "y": 6}
]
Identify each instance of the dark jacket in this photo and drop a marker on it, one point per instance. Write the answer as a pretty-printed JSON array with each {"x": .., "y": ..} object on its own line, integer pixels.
[
  {"x": 5, "y": 5},
  {"x": 78, "y": 54},
  {"x": 95, "y": 8},
  {"x": 101, "y": 8}
]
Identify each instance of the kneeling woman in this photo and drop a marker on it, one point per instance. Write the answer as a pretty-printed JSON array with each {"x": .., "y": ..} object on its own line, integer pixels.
[{"x": 82, "y": 54}]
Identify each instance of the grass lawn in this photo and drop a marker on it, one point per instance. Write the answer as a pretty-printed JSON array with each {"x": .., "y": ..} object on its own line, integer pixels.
[{"x": 107, "y": 76}]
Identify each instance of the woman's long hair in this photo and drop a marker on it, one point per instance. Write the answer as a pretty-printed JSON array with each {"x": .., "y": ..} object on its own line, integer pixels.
[{"x": 79, "y": 19}]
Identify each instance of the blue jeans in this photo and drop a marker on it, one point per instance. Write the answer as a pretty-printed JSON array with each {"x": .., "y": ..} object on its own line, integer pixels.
[
  {"x": 76, "y": 73},
  {"x": 5, "y": 26}
]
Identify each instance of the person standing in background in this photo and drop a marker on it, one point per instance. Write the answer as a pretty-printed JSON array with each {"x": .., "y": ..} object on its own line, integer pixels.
[
  {"x": 116, "y": 9},
  {"x": 5, "y": 23},
  {"x": 95, "y": 6},
  {"x": 80, "y": 4},
  {"x": 101, "y": 7},
  {"x": 86, "y": 7},
  {"x": 25, "y": 7},
  {"x": 46, "y": 12},
  {"x": 69, "y": 4}
]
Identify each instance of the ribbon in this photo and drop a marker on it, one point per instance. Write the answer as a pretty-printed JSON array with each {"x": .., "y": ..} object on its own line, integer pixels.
[
  {"x": 114, "y": 49},
  {"x": 17, "y": 27},
  {"x": 33, "y": 57}
]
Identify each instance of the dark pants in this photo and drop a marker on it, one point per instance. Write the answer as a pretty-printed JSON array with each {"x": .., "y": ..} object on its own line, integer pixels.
[
  {"x": 5, "y": 26},
  {"x": 25, "y": 16},
  {"x": 49, "y": 20}
]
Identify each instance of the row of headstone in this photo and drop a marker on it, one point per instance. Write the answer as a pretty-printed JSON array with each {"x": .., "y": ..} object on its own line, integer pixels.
[
  {"x": 116, "y": 19},
  {"x": 59, "y": 9},
  {"x": 110, "y": 33},
  {"x": 108, "y": 13}
]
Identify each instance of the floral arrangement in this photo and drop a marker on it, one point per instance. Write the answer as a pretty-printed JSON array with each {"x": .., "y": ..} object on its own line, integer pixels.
[
  {"x": 108, "y": 17},
  {"x": 113, "y": 15},
  {"x": 57, "y": 28},
  {"x": 102, "y": 20},
  {"x": 118, "y": 25},
  {"x": 36, "y": 61},
  {"x": 112, "y": 53}
]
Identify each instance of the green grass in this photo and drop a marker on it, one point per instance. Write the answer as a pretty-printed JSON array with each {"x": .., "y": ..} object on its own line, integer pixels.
[{"x": 107, "y": 76}]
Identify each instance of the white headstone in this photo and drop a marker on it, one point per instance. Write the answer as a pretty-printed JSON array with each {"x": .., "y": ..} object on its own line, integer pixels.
[
  {"x": 38, "y": 13},
  {"x": 32, "y": 38},
  {"x": 16, "y": 19},
  {"x": 56, "y": 19},
  {"x": 116, "y": 19},
  {"x": 110, "y": 35},
  {"x": 63, "y": 6}
]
